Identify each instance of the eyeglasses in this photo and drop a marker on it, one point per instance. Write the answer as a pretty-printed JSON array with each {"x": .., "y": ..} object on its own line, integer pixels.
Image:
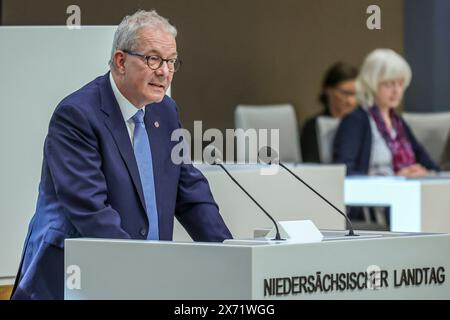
[
  {"x": 346, "y": 93},
  {"x": 155, "y": 62},
  {"x": 390, "y": 84}
]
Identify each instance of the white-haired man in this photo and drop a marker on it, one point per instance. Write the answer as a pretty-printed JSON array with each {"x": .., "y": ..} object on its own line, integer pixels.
[{"x": 107, "y": 169}]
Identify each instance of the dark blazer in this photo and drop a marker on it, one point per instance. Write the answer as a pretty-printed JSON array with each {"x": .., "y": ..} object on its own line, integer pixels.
[
  {"x": 353, "y": 144},
  {"x": 308, "y": 139},
  {"x": 90, "y": 186}
]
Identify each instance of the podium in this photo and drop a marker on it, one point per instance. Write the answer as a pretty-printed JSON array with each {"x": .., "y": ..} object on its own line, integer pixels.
[{"x": 376, "y": 265}]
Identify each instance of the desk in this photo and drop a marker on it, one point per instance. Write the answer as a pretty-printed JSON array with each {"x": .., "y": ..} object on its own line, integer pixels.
[
  {"x": 284, "y": 197},
  {"x": 417, "y": 205}
]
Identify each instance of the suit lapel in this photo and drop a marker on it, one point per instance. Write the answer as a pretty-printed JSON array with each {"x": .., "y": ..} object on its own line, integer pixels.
[{"x": 116, "y": 125}]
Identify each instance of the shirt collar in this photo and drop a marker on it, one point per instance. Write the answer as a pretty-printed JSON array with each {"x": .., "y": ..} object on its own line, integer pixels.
[{"x": 126, "y": 107}]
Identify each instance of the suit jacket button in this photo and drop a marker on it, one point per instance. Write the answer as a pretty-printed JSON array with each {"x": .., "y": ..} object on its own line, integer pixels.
[{"x": 143, "y": 232}]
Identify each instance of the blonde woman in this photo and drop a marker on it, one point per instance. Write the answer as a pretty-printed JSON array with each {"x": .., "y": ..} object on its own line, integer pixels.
[{"x": 374, "y": 139}]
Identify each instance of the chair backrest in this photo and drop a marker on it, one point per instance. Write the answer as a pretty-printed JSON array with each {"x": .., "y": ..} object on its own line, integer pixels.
[
  {"x": 431, "y": 130},
  {"x": 280, "y": 117},
  {"x": 326, "y": 128}
]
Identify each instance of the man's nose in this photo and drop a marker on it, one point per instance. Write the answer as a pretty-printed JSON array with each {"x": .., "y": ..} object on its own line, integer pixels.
[{"x": 163, "y": 70}]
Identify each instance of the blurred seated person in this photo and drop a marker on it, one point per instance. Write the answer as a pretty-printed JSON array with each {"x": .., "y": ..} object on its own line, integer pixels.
[
  {"x": 338, "y": 98},
  {"x": 374, "y": 139},
  {"x": 445, "y": 159}
]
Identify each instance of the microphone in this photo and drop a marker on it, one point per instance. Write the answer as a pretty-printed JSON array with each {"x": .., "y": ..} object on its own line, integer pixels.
[
  {"x": 271, "y": 156},
  {"x": 214, "y": 157}
]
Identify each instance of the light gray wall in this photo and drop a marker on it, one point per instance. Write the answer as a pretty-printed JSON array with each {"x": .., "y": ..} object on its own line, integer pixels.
[{"x": 41, "y": 66}]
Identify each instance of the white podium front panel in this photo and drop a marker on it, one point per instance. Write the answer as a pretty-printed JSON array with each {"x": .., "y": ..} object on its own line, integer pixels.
[{"x": 390, "y": 266}]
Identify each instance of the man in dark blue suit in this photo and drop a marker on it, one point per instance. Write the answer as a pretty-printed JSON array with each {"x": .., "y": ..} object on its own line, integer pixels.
[{"x": 107, "y": 170}]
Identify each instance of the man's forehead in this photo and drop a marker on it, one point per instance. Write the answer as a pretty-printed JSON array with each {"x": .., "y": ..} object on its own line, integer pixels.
[{"x": 156, "y": 38}]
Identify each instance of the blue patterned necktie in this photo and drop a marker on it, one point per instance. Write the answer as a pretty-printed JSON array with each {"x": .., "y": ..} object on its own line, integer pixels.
[{"x": 143, "y": 154}]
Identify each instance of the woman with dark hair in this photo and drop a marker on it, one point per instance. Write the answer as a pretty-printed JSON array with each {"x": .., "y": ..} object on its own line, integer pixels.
[{"x": 338, "y": 97}]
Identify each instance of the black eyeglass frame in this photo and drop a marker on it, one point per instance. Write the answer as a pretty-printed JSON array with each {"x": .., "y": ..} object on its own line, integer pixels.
[{"x": 177, "y": 64}]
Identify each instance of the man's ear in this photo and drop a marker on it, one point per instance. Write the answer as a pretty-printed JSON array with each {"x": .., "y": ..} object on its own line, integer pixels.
[{"x": 119, "y": 61}]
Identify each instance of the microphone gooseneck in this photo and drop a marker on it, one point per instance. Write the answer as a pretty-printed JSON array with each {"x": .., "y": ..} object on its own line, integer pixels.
[
  {"x": 351, "y": 231},
  {"x": 277, "y": 235}
]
